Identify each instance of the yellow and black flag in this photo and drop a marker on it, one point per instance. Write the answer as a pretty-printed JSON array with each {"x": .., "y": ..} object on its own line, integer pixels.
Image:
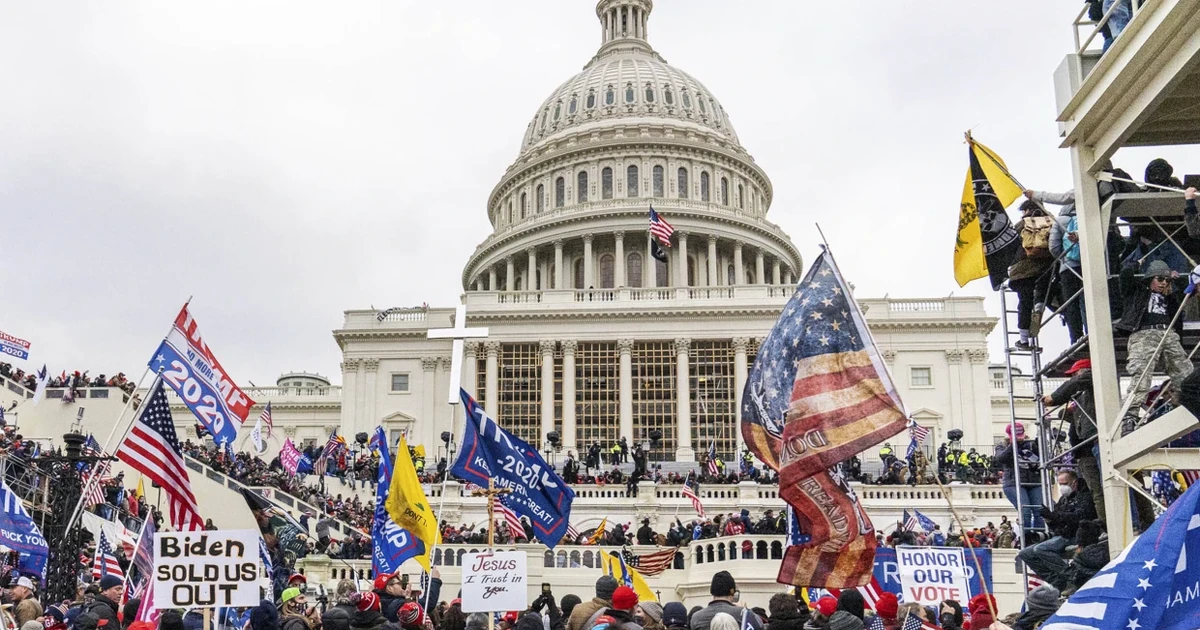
[{"x": 987, "y": 240}]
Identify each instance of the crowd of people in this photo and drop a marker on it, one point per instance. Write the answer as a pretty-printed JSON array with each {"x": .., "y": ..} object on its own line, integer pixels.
[{"x": 74, "y": 381}]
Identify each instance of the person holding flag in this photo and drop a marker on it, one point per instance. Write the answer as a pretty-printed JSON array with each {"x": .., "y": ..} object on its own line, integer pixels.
[{"x": 987, "y": 241}]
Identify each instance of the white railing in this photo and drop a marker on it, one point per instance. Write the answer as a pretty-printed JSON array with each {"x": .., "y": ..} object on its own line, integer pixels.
[
  {"x": 638, "y": 295},
  {"x": 708, "y": 293},
  {"x": 595, "y": 295},
  {"x": 519, "y": 297},
  {"x": 1082, "y": 21},
  {"x": 916, "y": 306}
]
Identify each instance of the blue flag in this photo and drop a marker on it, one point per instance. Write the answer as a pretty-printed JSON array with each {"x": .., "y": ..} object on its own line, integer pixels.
[
  {"x": 21, "y": 534},
  {"x": 927, "y": 523},
  {"x": 489, "y": 452},
  {"x": 1153, "y": 584},
  {"x": 391, "y": 545}
]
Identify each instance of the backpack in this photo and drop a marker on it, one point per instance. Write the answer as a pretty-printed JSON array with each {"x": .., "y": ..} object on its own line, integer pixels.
[
  {"x": 1071, "y": 250},
  {"x": 1035, "y": 235}
]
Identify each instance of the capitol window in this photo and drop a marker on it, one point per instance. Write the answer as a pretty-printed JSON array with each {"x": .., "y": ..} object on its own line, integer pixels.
[
  {"x": 657, "y": 178},
  {"x": 633, "y": 269},
  {"x": 581, "y": 188},
  {"x": 560, "y": 192},
  {"x": 606, "y": 183},
  {"x": 730, "y": 276},
  {"x": 524, "y": 205},
  {"x": 649, "y": 93},
  {"x": 607, "y": 271},
  {"x": 920, "y": 377},
  {"x": 687, "y": 100},
  {"x": 668, "y": 95},
  {"x": 629, "y": 93},
  {"x": 574, "y": 104},
  {"x": 578, "y": 273},
  {"x": 703, "y": 186},
  {"x": 541, "y": 198},
  {"x": 542, "y": 121},
  {"x": 724, "y": 191},
  {"x": 703, "y": 109},
  {"x": 610, "y": 96},
  {"x": 591, "y": 99},
  {"x": 557, "y": 111},
  {"x": 631, "y": 181},
  {"x": 683, "y": 183},
  {"x": 400, "y": 382},
  {"x": 741, "y": 197}
]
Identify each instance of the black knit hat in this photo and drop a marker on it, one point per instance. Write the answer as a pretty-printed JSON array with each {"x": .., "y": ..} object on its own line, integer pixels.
[
  {"x": 605, "y": 587},
  {"x": 722, "y": 584}
]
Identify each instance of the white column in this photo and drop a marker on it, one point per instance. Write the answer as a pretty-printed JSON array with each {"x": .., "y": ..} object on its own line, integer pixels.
[
  {"x": 683, "y": 402},
  {"x": 619, "y": 263},
  {"x": 568, "y": 413},
  {"x": 547, "y": 348},
  {"x": 531, "y": 271},
  {"x": 558, "y": 264},
  {"x": 775, "y": 275},
  {"x": 712, "y": 261},
  {"x": 470, "y": 368},
  {"x": 739, "y": 383},
  {"x": 509, "y": 275},
  {"x": 350, "y": 388},
  {"x": 625, "y": 408},
  {"x": 492, "y": 377},
  {"x": 682, "y": 265},
  {"x": 429, "y": 390},
  {"x": 371, "y": 378},
  {"x": 739, "y": 274},
  {"x": 650, "y": 266},
  {"x": 588, "y": 280},
  {"x": 492, "y": 279}
]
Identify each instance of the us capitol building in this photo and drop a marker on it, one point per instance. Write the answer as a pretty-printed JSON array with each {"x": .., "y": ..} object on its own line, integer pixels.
[{"x": 590, "y": 337}]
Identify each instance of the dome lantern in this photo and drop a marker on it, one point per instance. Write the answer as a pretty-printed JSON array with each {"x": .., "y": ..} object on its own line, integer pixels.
[{"x": 623, "y": 23}]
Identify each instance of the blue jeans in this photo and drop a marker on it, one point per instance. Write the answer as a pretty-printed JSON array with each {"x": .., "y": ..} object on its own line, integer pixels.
[
  {"x": 1119, "y": 18},
  {"x": 1031, "y": 502}
]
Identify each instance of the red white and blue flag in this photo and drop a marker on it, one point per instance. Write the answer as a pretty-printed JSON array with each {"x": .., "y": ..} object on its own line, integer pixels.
[
  {"x": 105, "y": 562},
  {"x": 714, "y": 468},
  {"x": 13, "y": 346},
  {"x": 660, "y": 229},
  {"x": 188, "y": 365},
  {"x": 691, "y": 487}
]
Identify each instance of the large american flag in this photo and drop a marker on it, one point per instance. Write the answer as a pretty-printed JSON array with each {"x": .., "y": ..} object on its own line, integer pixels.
[
  {"x": 918, "y": 432},
  {"x": 152, "y": 448},
  {"x": 690, "y": 488},
  {"x": 713, "y": 468},
  {"x": 660, "y": 229},
  {"x": 651, "y": 564},
  {"x": 93, "y": 484},
  {"x": 333, "y": 448},
  {"x": 265, "y": 418},
  {"x": 105, "y": 562},
  {"x": 911, "y": 524},
  {"x": 510, "y": 517}
]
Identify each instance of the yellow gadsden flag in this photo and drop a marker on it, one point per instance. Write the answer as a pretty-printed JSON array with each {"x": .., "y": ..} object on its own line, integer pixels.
[
  {"x": 599, "y": 534},
  {"x": 987, "y": 240},
  {"x": 617, "y": 567},
  {"x": 408, "y": 506}
]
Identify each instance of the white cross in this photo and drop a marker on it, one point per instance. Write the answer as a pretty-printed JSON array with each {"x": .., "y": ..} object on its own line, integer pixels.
[{"x": 458, "y": 334}]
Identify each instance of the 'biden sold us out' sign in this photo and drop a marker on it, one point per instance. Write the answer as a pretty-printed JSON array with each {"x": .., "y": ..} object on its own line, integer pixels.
[{"x": 206, "y": 569}]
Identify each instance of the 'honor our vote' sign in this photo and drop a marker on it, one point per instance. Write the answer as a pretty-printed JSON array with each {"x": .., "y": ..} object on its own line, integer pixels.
[
  {"x": 206, "y": 569},
  {"x": 929, "y": 575}
]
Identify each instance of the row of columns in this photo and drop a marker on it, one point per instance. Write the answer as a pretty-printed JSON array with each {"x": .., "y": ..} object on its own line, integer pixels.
[
  {"x": 776, "y": 272},
  {"x": 684, "y": 449},
  {"x": 633, "y": 18}
]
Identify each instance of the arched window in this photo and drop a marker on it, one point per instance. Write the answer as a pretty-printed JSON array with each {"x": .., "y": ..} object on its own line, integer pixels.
[
  {"x": 581, "y": 187},
  {"x": 607, "y": 264},
  {"x": 606, "y": 183},
  {"x": 510, "y": 212},
  {"x": 560, "y": 192},
  {"x": 631, "y": 181},
  {"x": 657, "y": 178},
  {"x": 633, "y": 269},
  {"x": 524, "y": 205},
  {"x": 649, "y": 93},
  {"x": 610, "y": 96},
  {"x": 730, "y": 277},
  {"x": 591, "y": 99},
  {"x": 557, "y": 111},
  {"x": 630, "y": 94},
  {"x": 724, "y": 192},
  {"x": 668, "y": 95},
  {"x": 542, "y": 121},
  {"x": 520, "y": 283},
  {"x": 703, "y": 186},
  {"x": 703, "y": 109},
  {"x": 687, "y": 100},
  {"x": 741, "y": 197},
  {"x": 579, "y": 274},
  {"x": 683, "y": 183},
  {"x": 660, "y": 273},
  {"x": 574, "y": 105},
  {"x": 541, "y": 198}
]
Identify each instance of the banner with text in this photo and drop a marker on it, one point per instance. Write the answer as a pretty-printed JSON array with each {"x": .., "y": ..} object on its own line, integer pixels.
[
  {"x": 930, "y": 575},
  {"x": 14, "y": 347},
  {"x": 494, "y": 581},
  {"x": 206, "y": 569}
]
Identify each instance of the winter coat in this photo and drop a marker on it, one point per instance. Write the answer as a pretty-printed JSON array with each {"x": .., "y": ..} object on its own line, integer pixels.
[
  {"x": 1003, "y": 460},
  {"x": 786, "y": 621},
  {"x": 704, "y": 617},
  {"x": 1070, "y": 510},
  {"x": 1135, "y": 298},
  {"x": 584, "y": 611},
  {"x": 104, "y": 608},
  {"x": 367, "y": 620}
]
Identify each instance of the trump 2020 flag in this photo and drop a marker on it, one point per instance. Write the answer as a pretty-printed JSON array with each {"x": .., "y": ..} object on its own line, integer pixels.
[
  {"x": 538, "y": 493},
  {"x": 1154, "y": 584},
  {"x": 391, "y": 545},
  {"x": 408, "y": 506},
  {"x": 987, "y": 241},
  {"x": 818, "y": 393},
  {"x": 21, "y": 534},
  {"x": 189, "y": 367}
]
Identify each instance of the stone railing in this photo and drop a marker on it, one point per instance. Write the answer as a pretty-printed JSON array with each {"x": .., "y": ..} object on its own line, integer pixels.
[
  {"x": 16, "y": 387},
  {"x": 582, "y": 297}
]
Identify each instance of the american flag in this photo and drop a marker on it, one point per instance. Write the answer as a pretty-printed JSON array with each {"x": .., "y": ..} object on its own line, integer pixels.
[
  {"x": 510, "y": 517},
  {"x": 911, "y": 524},
  {"x": 572, "y": 533},
  {"x": 651, "y": 564},
  {"x": 333, "y": 448},
  {"x": 152, "y": 448},
  {"x": 660, "y": 229},
  {"x": 691, "y": 488},
  {"x": 94, "y": 484},
  {"x": 870, "y": 592},
  {"x": 914, "y": 622},
  {"x": 713, "y": 468},
  {"x": 917, "y": 432},
  {"x": 105, "y": 562},
  {"x": 265, "y": 418},
  {"x": 143, "y": 559},
  {"x": 1191, "y": 477}
]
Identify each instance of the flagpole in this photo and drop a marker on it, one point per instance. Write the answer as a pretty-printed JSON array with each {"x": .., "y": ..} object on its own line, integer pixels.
[
  {"x": 441, "y": 504},
  {"x": 970, "y": 545}
]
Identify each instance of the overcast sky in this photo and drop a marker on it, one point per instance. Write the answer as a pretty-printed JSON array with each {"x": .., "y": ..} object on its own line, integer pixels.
[{"x": 285, "y": 161}]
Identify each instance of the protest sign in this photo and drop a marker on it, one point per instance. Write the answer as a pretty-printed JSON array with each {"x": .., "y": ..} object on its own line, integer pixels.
[
  {"x": 929, "y": 575},
  {"x": 494, "y": 581},
  {"x": 206, "y": 569}
]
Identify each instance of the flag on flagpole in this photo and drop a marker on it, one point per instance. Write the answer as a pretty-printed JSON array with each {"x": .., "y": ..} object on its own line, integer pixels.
[
  {"x": 333, "y": 449},
  {"x": 691, "y": 490},
  {"x": 43, "y": 379},
  {"x": 391, "y": 546},
  {"x": 917, "y": 432},
  {"x": 927, "y": 523},
  {"x": 653, "y": 563},
  {"x": 599, "y": 533},
  {"x": 31, "y": 548},
  {"x": 912, "y": 449},
  {"x": 660, "y": 229},
  {"x": 572, "y": 533},
  {"x": 987, "y": 241},
  {"x": 612, "y": 564},
  {"x": 289, "y": 457},
  {"x": 265, "y": 420},
  {"x": 105, "y": 562},
  {"x": 508, "y": 516},
  {"x": 408, "y": 506},
  {"x": 910, "y": 522},
  {"x": 256, "y": 437},
  {"x": 713, "y": 467},
  {"x": 140, "y": 493},
  {"x": 152, "y": 448}
]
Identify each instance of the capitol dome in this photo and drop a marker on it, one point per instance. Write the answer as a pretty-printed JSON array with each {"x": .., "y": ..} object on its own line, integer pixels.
[{"x": 627, "y": 133}]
